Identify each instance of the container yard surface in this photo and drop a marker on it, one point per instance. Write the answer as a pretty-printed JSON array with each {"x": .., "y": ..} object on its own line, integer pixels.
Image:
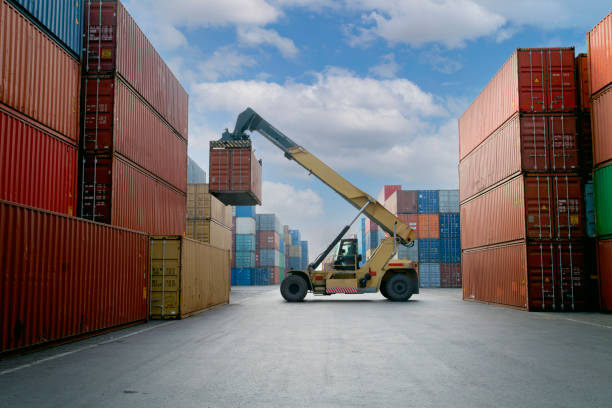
[{"x": 258, "y": 351}]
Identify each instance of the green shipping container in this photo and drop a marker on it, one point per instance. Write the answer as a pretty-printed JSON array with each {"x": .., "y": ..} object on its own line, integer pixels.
[{"x": 603, "y": 200}]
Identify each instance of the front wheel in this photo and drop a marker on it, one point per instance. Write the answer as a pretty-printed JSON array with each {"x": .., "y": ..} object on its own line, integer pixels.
[
  {"x": 398, "y": 288},
  {"x": 294, "y": 288}
]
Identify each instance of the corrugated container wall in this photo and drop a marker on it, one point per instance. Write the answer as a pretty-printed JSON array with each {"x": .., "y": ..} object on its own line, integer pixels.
[
  {"x": 61, "y": 19},
  {"x": 428, "y": 202},
  {"x": 195, "y": 174},
  {"x": 603, "y": 200},
  {"x": 403, "y": 202},
  {"x": 38, "y": 77},
  {"x": 604, "y": 257},
  {"x": 602, "y": 127},
  {"x": 599, "y": 46},
  {"x": 235, "y": 175},
  {"x": 387, "y": 191},
  {"x": 449, "y": 201},
  {"x": 99, "y": 276},
  {"x": 36, "y": 169}
]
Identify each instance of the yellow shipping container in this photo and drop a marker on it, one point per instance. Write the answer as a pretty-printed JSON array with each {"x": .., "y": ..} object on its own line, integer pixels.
[
  {"x": 210, "y": 232},
  {"x": 202, "y": 205},
  {"x": 187, "y": 277},
  {"x": 295, "y": 251}
]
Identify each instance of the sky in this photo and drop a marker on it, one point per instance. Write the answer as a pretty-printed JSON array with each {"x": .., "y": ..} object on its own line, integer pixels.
[{"x": 371, "y": 87}]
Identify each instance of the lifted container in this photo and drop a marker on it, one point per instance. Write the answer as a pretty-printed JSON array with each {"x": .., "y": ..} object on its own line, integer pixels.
[{"x": 234, "y": 172}]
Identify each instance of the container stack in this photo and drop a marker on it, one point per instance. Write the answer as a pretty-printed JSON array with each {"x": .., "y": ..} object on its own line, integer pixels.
[
  {"x": 195, "y": 174},
  {"x": 244, "y": 245},
  {"x": 304, "y": 254},
  {"x": 287, "y": 245},
  {"x": 295, "y": 250},
  {"x": 208, "y": 219},
  {"x": 521, "y": 186},
  {"x": 599, "y": 44},
  {"x": 269, "y": 255},
  {"x": 434, "y": 215},
  {"x": 133, "y": 104}
]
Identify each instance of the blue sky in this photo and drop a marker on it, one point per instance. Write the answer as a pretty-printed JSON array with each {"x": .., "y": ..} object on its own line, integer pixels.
[{"x": 372, "y": 87}]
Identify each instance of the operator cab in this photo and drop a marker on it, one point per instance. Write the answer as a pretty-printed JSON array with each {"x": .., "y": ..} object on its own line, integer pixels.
[{"x": 346, "y": 257}]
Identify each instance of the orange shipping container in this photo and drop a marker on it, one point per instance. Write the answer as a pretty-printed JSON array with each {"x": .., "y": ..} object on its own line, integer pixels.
[
  {"x": 604, "y": 264},
  {"x": 428, "y": 226},
  {"x": 582, "y": 82},
  {"x": 602, "y": 127},
  {"x": 599, "y": 49},
  {"x": 37, "y": 77},
  {"x": 534, "y": 80}
]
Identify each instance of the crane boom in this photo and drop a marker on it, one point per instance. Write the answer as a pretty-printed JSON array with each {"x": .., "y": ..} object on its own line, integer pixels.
[{"x": 249, "y": 120}]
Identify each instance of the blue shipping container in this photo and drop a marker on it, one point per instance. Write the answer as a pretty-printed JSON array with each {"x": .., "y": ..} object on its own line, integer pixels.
[
  {"x": 295, "y": 237},
  {"x": 429, "y": 275},
  {"x": 410, "y": 253},
  {"x": 428, "y": 202},
  {"x": 450, "y": 226},
  {"x": 294, "y": 263},
  {"x": 589, "y": 208},
  {"x": 450, "y": 250},
  {"x": 260, "y": 276},
  {"x": 242, "y": 276},
  {"x": 269, "y": 257},
  {"x": 304, "y": 245},
  {"x": 245, "y": 211},
  {"x": 245, "y": 242},
  {"x": 268, "y": 222},
  {"x": 429, "y": 250},
  {"x": 245, "y": 259},
  {"x": 448, "y": 201},
  {"x": 60, "y": 19}
]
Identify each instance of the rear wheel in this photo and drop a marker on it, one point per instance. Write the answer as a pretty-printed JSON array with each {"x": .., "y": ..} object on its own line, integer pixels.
[
  {"x": 398, "y": 288},
  {"x": 294, "y": 288},
  {"x": 383, "y": 290}
]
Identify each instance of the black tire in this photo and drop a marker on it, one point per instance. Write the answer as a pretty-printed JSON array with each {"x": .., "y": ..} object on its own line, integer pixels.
[
  {"x": 294, "y": 288},
  {"x": 383, "y": 290},
  {"x": 399, "y": 288}
]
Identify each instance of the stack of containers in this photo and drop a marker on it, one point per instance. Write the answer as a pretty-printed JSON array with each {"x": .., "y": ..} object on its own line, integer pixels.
[
  {"x": 295, "y": 250},
  {"x": 520, "y": 184},
  {"x": 244, "y": 245},
  {"x": 599, "y": 44},
  {"x": 133, "y": 104},
  {"x": 428, "y": 234},
  {"x": 373, "y": 233},
  {"x": 304, "y": 254},
  {"x": 287, "y": 245},
  {"x": 269, "y": 255},
  {"x": 208, "y": 219},
  {"x": 39, "y": 104},
  {"x": 195, "y": 174}
]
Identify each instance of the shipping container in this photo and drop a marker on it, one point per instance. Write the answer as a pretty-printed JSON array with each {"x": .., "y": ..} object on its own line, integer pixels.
[
  {"x": 402, "y": 202},
  {"x": 295, "y": 251},
  {"x": 113, "y": 43},
  {"x": 245, "y": 225},
  {"x": 532, "y": 143},
  {"x": 428, "y": 226},
  {"x": 244, "y": 242},
  {"x": 295, "y": 237},
  {"x": 539, "y": 276},
  {"x": 583, "y": 88},
  {"x": 268, "y": 222},
  {"x": 36, "y": 168},
  {"x": 599, "y": 49},
  {"x": 429, "y": 275},
  {"x": 235, "y": 174},
  {"x": 450, "y": 275},
  {"x": 603, "y": 200},
  {"x": 62, "y": 22},
  {"x": 602, "y": 127},
  {"x": 268, "y": 240},
  {"x": 450, "y": 250},
  {"x": 429, "y": 250},
  {"x": 409, "y": 252},
  {"x": 117, "y": 120},
  {"x": 589, "y": 209},
  {"x": 242, "y": 276},
  {"x": 245, "y": 211},
  {"x": 536, "y": 80},
  {"x": 245, "y": 259},
  {"x": 448, "y": 201},
  {"x": 450, "y": 226},
  {"x": 604, "y": 264},
  {"x": 195, "y": 174},
  {"x": 428, "y": 201},
  {"x": 187, "y": 277},
  {"x": 209, "y": 232},
  {"x": 63, "y": 276},
  {"x": 304, "y": 245},
  {"x": 294, "y": 263},
  {"x": 387, "y": 191},
  {"x": 538, "y": 207},
  {"x": 260, "y": 276},
  {"x": 412, "y": 220},
  {"x": 38, "y": 78},
  {"x": 115, "y": 192},
  {"x": 202, "y": 205}
]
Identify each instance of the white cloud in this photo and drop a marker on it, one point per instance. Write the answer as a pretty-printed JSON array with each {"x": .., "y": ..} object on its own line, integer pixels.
[
  {"x": 440, "y": 62},
  {"x": 388, "y": 68},
  {"x": 286, "y": 201},
  {"x": 254, "y": 36},
  {"x": 224, "y": 63}
]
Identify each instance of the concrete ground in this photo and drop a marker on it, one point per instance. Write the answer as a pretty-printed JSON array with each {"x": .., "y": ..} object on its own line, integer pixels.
[{"x": 338, "y": 351}]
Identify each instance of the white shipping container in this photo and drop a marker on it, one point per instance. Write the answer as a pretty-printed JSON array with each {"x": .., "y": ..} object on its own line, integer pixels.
[
  {"x": 429, "y": 275},
  {"x": 448, "y": 201},
  {"x": 245, "y": 225}
]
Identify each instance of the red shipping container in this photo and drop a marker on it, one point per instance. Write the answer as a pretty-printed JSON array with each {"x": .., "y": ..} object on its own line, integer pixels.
[
  {"x": 583, "y": 88},
  {"x": 412, "y": 220},
  {"x": 524, "y": 143},
  {"x": 601, "y": 111},
  {"x": 428, "y": 226},
  {"x": 36, "y": 168},
  {"x": 540, "y": 207},
  {"x": 403, "y": 202},
  {"x": 599, "y": 50},
  {"x": 604, "y": 267},
  {"x": 117, "y": 120},
  {"x": 114, "y": 43},
  {"x": 386, "y": 192},
  {"x": 274, "y": 275},
  {"x": 370, "y": 226},
  {"x": 127, "y": 197},
  {"x": 235, "y": 176},
  {"x": 63, "y": 276},
  {"x": 537, "y": 80},
  {"x": 268, "y": 240},
  {"x": 537, "y": 276},
  {"x": 37, "y": 77},
  {"x": 450, "y": 275}
]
